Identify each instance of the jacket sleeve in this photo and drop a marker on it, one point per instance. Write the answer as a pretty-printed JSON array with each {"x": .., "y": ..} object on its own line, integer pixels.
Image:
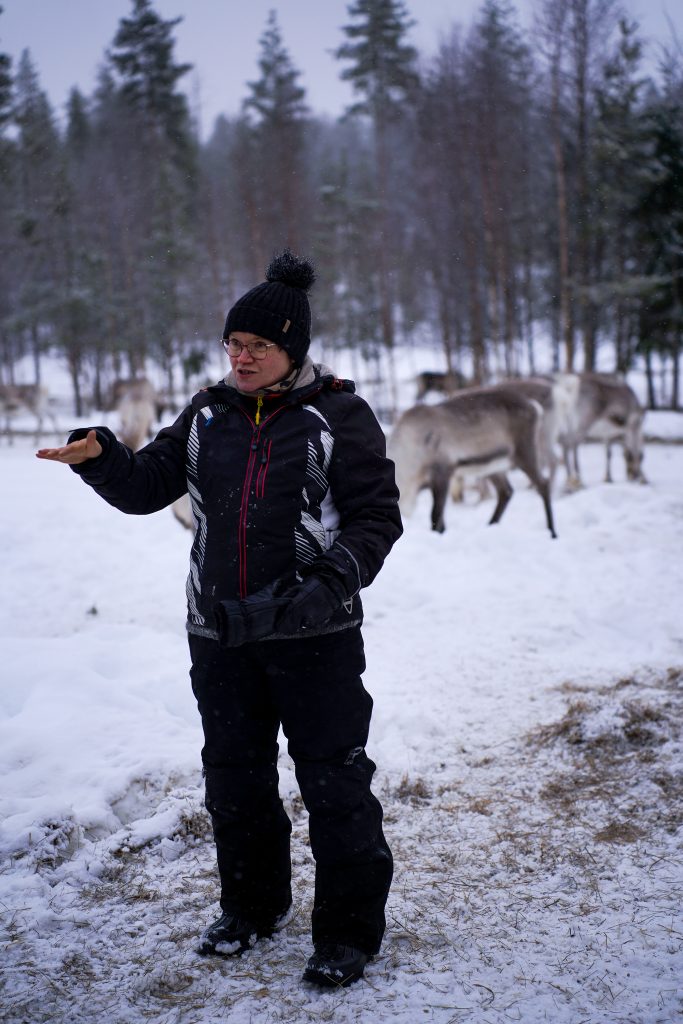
[
  {"x": 139, "y": 482},
  {"x": 365, "y": 494}
]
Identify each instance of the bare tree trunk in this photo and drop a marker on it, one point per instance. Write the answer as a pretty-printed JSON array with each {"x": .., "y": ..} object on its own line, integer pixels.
[
  {"x": 35, "y": 352},
  {"x": 476, "y": 317},
  {"x": 383, "y": 273},
  {"x": 649, "y": 375},
  {"x": 490, "y": 259},
  {"x": 528, "y": 310},
  {"x": 580, "y": 51},
  {"x": 75, "y": 374},
  {"x": 566, "y": 326},
  {"x": 97, "y": 381},
  {"x": 445, "y": 321}
]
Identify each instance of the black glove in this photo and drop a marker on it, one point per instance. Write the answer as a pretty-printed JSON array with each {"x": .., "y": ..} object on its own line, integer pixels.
[
  {"x": 253, "y": 618},
  {"x": 312, "y": 602}
]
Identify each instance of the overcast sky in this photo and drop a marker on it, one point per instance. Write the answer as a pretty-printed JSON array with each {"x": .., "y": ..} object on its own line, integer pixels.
[{"x": 67, "y": 40}]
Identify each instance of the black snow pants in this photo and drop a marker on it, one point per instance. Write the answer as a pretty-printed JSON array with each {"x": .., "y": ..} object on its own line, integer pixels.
[{"x": 313, "y": 687}]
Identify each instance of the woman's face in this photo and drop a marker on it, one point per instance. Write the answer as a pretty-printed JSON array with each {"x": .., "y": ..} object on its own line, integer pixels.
[{"x": 255, "y": 374}]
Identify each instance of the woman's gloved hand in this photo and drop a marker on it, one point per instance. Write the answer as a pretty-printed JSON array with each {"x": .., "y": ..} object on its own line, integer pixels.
[
  {"x": 253, "y": 618},
  {"x": 285, "y": 610},
  {"x": 312, "y": 602}
]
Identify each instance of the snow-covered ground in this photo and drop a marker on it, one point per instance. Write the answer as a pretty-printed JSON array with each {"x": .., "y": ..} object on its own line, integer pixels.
[{"x": 527, "y": 728}]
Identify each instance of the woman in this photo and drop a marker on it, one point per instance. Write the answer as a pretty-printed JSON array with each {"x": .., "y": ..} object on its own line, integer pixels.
[{"x": 296, "y": 508}]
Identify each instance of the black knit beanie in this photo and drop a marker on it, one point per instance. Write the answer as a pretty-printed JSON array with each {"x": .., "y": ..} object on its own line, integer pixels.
[{"x": 278, "y": 309}]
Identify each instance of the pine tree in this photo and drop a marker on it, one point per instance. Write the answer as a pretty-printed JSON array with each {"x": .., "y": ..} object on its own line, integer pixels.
[
  {"x": 82, "y": 262},
  {"x": 160, "y": 181},
  {"x": 220, "y": 218},
  {"x": 276, "y": 118},
  {"x": 5, "y": 88},
  {"x": 6, "y": 168},
  {"x": 142, "y": 54},
  {"x": 576, "y": 34},
  {"x": 382, "y": 73},
  {"x": 37, "y": 205},
  {"x": 618, "y": 152},
  {"x": 659, "y": 216},
  {"x": 78, "y": 132},
  {"x": 382, "y": 67},
  {"x": 500, "y": 95},
  {"x": 346, "y": 297},
  {"x": 551, "y": 34},
  {"x": 276, "y": 98}
]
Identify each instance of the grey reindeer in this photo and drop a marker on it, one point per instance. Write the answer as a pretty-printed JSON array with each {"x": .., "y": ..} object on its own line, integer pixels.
[
  {"x": 17, "y": 400},
  {"x": 138, "y": 404},
  {"x": 557, "y": 397},
  {"x": 607, "y": 410},
  {"x": 482, "y": 432}
]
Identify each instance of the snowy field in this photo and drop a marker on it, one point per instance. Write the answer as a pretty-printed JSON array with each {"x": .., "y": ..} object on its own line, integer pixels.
[{"x": 527, "y": 728}]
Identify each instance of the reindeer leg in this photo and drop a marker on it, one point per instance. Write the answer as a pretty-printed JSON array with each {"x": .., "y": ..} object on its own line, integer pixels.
[
  {"x": 440, "y": 480},
  {"x": 457, "y": 488},
  {"x": 552, "y": 470},
  {"x": 571, "y": 462},
  {"x": 544, "y": 490},
  {"x": 542, "y": 485},
  {"x": 608, "y": 462},
  {"x": 504, "y": 492},
  {"x": 566, "y": 458},
  {"x": 577, "y": 471}
]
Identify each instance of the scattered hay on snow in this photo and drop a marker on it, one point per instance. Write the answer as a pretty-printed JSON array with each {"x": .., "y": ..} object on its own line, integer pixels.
[{"x": 537, "y": 881}]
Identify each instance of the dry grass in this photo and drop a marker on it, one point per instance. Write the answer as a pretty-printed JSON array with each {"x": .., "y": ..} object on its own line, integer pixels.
[
  {"x": 522, "y": 884},
  {"x": 413, "y": 791}
]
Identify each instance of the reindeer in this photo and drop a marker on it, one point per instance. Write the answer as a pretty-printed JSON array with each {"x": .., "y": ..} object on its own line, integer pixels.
[
  {"x": 445, "y": 383},
  {"x": 557, "y": 397},
  {"x": 182, "y": 510},
  {"x": 556, "y": 400},
  {"x": 136, "y": 404},
  {"x": 123, "y": 385},
  {"x": 480, "y": 431},
  {"x": 606, "y": 410},
  {"x": 19, "y": 399}
]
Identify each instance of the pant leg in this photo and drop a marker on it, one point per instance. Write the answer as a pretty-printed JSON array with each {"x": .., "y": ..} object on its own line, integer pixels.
[
  {"x": 250, "y": 825},
  {"x": 325, "y": 713}
]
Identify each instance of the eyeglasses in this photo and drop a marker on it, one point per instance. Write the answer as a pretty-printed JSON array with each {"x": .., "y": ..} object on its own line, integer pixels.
[{"x": 256, "y": 349}]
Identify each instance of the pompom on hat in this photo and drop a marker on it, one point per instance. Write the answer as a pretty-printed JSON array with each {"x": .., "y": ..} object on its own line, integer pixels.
[{"x": 278, "y": 309}]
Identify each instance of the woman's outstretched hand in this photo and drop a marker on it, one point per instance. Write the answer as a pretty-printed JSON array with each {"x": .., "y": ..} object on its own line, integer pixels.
[{"x": 76, "y": 452}]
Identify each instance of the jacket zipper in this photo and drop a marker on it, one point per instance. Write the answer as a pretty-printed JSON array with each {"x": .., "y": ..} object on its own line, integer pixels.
[
  {"x": 244, "y": 505},
  {"x": 263, "y": 470}
]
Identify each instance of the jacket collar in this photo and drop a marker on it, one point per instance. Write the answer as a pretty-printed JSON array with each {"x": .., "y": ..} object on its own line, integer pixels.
[
  {"x": 301, "y": 377},
  {"x": 311, "y": 378}
]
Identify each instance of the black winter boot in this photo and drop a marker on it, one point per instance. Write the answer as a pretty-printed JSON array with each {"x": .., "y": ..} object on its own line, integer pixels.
[
  {"x": 335, "y": 966},
  {"x": 231, "y": 934}
]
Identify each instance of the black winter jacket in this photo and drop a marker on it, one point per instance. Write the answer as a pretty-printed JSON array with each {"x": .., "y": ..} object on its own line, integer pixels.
[{"x": 308, "y": 484}]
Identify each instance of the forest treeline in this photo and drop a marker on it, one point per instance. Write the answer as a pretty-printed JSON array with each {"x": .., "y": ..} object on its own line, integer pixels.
[{"x": 512, "y": 187}]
